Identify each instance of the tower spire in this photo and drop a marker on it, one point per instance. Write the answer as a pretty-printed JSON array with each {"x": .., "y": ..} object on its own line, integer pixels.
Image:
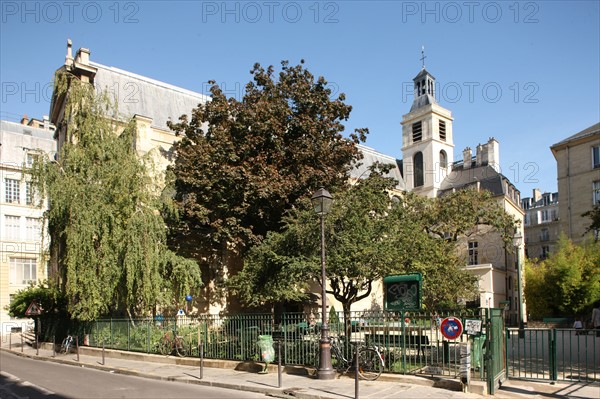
[{"x": 423, "y": 56}]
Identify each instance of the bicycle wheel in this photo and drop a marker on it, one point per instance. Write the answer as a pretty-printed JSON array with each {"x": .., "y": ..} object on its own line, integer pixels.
[
  {"x": 165, "y": 346},
  {"x": 64, "y": 346},
  {"x": 180, "y": 347},
  {"x": 370, "y": 364}
]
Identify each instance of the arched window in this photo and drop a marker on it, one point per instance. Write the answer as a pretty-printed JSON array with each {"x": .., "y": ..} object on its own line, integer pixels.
[
  {"x": 418, "y": 167},
  {"x": 443, "y": 159}
]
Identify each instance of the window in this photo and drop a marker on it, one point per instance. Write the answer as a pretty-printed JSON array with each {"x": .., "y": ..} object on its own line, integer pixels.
[
  {"x": 526, "y": 219},
  {"x": 545, "y": 252},
  {"x": 31, "y": 158},
  {"x": 596, "y": 193},
  {"x": 443, "y": 130},
  {"x": 418, "y": 167},
  {"x": 473, "y": 253},
  {"x": 23, "y": 271},
  {"x": 417, "y": 131},
  {"x": 596, "y": 157},
  {"x": 443, "y": 159},
  {"x": 29, "y": 193},
  {"x": 12, "y": 227},
  {"x": 544, "y": 235},
  {"x": 33, "y": 231},
  {"x": 11, "y": 191},
  {"x": 545, "y": 215}
]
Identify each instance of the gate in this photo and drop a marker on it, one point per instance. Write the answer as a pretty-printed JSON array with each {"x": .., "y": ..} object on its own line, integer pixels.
[{"x": 495, "y": 353}]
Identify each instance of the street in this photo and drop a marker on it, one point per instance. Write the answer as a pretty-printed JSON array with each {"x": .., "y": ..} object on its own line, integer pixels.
[{"x": 26, "y": 378}]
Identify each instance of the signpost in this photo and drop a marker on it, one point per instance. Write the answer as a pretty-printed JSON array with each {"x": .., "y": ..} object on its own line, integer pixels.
[{"x": 35, "y": 309}]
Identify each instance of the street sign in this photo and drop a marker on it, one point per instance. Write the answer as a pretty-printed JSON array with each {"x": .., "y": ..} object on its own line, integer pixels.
[
  {"x": 451, "y": 328},
  {"x": 34, "y": 309},
  {"x": 472, "y": 327},
  {"x": 403, "y": 293}
]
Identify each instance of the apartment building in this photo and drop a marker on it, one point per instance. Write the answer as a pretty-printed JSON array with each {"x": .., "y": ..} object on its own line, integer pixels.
[
  {"x": 542, "y": 224},
  {"x": 578, "y": 174},
  {"x": 23, "y": 259}
]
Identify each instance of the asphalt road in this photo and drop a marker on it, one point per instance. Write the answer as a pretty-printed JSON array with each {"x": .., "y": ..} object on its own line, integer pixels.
[{"x": 26, "y": 378}]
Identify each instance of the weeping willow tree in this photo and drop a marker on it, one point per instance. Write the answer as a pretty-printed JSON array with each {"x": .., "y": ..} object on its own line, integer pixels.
[{"x": 108, "y": 238}]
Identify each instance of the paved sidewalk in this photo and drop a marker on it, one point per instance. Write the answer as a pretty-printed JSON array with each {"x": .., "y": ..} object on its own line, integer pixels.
[{"x": 295, "y": 382}]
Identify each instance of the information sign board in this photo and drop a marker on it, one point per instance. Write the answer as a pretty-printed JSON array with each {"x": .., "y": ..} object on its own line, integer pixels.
[{"x": 403, "y": 293}]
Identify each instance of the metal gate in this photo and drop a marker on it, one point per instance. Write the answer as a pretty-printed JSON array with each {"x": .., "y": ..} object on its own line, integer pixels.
[{"x": 495, "y": 353}]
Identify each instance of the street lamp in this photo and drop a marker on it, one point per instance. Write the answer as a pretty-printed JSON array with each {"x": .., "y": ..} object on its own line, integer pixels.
[
  {"x": 517, "y": 238},
  {"x": 321, "y": 201}
]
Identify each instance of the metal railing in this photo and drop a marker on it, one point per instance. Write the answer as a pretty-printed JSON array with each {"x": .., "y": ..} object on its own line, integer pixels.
[
  {"x": 553, "y": 354},
  {"x": 411, "y": 342}
]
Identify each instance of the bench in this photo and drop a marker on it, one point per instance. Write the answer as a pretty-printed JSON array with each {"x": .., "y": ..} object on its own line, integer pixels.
[{"x": 419, "y": 342}]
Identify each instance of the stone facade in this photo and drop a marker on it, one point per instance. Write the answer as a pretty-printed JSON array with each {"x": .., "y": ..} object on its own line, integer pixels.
[
  {"x": 22, "y": 250},
  {"x": 541, "y": 224},
  {"x": 578, "y": 173}
]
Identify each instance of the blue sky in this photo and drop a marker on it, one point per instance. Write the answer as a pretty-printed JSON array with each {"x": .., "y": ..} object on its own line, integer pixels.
[{"x": 526, "y": 73}]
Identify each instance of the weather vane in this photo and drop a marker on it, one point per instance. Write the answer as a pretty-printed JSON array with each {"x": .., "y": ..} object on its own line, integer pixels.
[{"x": 423, "y": 56}]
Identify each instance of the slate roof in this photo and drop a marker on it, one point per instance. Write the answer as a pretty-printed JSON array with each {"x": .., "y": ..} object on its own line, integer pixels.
[
  {"x": 370, "y": 156},
  {"x": 147, "y": 97},
  {"x": 590, "y": 131},
  {"x": 489, "y": 179}
]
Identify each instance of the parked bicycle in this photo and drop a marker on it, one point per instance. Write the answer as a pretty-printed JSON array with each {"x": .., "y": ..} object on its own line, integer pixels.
[
  {"x": 370, "y": 360},
  {"x": 67, "y": 344},
  {"x": 172, "y": 343}
]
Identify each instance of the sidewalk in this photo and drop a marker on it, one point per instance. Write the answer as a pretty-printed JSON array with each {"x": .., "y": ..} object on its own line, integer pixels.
[{"x": 295, "y": 383}]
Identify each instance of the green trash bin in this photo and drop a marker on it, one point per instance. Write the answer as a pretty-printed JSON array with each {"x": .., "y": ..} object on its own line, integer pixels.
[{"x": 477, "y": 350}]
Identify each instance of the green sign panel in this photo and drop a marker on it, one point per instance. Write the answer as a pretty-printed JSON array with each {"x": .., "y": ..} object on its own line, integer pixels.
[{"x": 403, "y": 292}]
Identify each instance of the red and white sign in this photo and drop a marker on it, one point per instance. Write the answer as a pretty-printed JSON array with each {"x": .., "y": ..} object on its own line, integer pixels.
[
  {"x": 451, "y": 328},
  {"x": 34, "y": 309}
]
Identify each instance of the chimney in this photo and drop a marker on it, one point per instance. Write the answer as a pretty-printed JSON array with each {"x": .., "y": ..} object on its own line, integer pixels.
[
  {"x": 493, "y": 154},
  {"x": 24, "y": 120},
  {"x": 69, "y": 57},
  {"x": 46, "y": 122},
  {"x": 481, "y": 155},
  {"x": 83, "y": 56},
  {"x": 467, "y": 156},
  {"x": 537, "y": 195}
]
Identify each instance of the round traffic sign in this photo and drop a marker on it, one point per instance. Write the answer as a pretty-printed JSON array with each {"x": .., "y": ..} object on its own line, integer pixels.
[{"x": 451, "y": 328}]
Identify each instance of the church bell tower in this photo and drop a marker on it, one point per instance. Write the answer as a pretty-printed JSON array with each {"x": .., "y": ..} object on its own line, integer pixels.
[{"x": 427, "y": 143}]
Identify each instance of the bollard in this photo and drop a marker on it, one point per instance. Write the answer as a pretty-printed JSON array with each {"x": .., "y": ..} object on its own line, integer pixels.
[
  {"x": 278, "y": 363},
  {"x": 356, "y": 372},
  {"x": 21, "y": 343},
  {"x": 37, "y": 345},
  {"x": 103, "y": 352},
  {"x": 9, "y": 341},
  {"x": 54, "y": 346},
  {"x": 77, "y": 346},
  {"x": 201, "y": 360}
]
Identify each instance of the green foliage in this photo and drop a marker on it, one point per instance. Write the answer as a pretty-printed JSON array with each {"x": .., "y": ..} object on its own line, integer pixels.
[
  {"x": 594, "y": 216},
  {"x": 565, "y": 284},
  {"x": 241, "y": 165},
  {"x": 50, "y": 299},
  {"x": 370, "y": 236},
  {"x": 107, "y": 235}
]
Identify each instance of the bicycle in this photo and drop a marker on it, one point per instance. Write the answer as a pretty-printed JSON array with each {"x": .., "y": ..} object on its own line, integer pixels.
[
  {"x": 168, "y": 345},
  {"x": 370, "y": 360},
  {"x": 67, "y": 344}
]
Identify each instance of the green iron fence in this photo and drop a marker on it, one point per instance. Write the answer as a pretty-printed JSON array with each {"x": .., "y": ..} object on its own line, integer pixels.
[
  {"x": 553, "y": 354},
  {"x": 410, "y": 342}
]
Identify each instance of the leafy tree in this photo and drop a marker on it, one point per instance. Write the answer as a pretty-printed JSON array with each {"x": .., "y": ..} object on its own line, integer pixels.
[
  {"x": 567, "y": 283},
  {"x": 594, "y": 216},
  {"x": 108, "y": 238},
  {"x": 369, "y": 236},
  {"x": 51, "y": 300},
  {"x": 241, "y": 164}
]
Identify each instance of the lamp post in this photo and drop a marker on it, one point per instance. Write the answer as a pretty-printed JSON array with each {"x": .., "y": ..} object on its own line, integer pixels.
[
  {"x": 321, "y": 201},
  {"x": 517, "y": 238}
]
